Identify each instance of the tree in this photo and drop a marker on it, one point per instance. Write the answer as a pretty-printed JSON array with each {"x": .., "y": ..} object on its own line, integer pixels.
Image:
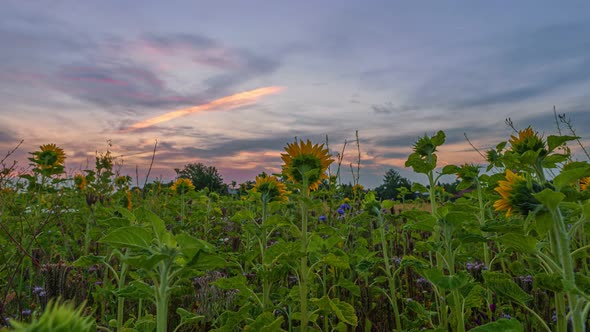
[
  {"x": 203, "y": 177},
  {"x": 392, "y": 182}
]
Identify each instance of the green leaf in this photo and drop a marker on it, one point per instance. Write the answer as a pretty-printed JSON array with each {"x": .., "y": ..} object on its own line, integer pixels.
[
  {"x": 265, "y": 322},
  {"x": 387, "y": 204},
  {"x": 519, "y": 242},
  {"x": 419, "y": 165},
  {"x": 419, "y": 220},
  {"x": 344, "y": 311},
  {"x": 206, "y": 261},
  {"x": 503, "y": 285},
  {"x": 89, "y": 260},
  {"x": 451, "y": 169},
  {"x": 146, "y": 262},
  {"x": 157, "y": 224},
  {"x": 126, "y": 214},
  {"x": 340, "y": 262},
  {"x": 419, "y": 188},
  {"x": 439, "y": 138},
  {"x": 552, "y": 282},
  {"x": 475, "y": 297},
  {"x": 350, "y": 286},
  {"x": 237, "y": 282},
  {"x": 550, "y": 198},
  {"x": 501, "y": 146},
  {"x": 556, "y": 141},
  {"x": 552, "y": 160},
  {"x": 190, "y": 245},
  {"x": 437, "y": 278},
  {"x": 502, "y": 324},
  {"x": 130, "y": 237},
  {"x": 456, "y": 218},
  {"x": 187, "y": 317},
  {"x": 136, "y": 290},
  {"x": 570, "y": 176}
]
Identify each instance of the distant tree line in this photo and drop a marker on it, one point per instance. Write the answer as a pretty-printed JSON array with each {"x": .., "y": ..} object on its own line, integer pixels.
[{"x": 394, "y": 186}]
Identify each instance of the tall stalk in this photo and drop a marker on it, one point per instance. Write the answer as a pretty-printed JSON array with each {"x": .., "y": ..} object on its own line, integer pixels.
[
  {"x": 303, "y": 264},
  {"x": 388, "y": 272}
]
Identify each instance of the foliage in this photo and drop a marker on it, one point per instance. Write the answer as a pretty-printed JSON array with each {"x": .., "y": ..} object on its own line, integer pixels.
[
  {"x": 392, "y": 183},
  {"x": 202, "y": 177},
  {"x": 276, "y": 256}
]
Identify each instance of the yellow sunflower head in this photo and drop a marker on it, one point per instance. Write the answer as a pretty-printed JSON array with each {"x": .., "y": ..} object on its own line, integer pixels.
[
  {"x": 271, "y": 187},
  {"x": 358, "y": 189},
  {"x": 80, "y": 181},
  {"x": 527, "y": 140},
  {"x": 584, "y": 183},
  {"x": 516, "y": 195},
  {"x": 50, "y": 156},
  {"x": 182, "y": 186},
  {"x": 306, "y": 159},
  {"x": 122, "y": 181}
]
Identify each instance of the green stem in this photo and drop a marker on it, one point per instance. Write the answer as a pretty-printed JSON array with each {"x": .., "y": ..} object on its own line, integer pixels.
[
  {"x": 265, "y": 273},
  {"x": 390, "y": 276},
  {"x": 162, "y": 299},
  {"x": 303, "y": 264},
  {"x": 121, "y": 300},
  {"x": 482, "y": 219},
  {"x": 563, "y": 252}
]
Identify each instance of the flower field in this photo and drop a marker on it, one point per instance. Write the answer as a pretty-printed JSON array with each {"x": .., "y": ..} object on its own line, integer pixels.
[{"x": 296, "y": 252}]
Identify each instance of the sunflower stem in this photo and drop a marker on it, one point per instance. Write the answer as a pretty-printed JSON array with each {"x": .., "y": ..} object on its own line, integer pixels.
[
  {"x": 304, "y": 267},
  {"x": 562, "y": 246}
]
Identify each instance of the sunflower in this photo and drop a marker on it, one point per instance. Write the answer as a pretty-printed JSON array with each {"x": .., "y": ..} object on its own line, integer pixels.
[
  {"x": 122, "y": 181},
  {"x": 80, "y": 181},
  {"x": 303, "y": 158},
  {"x": 584, "y": 183},
  {"x": 271, "y": 187},
  {"x": 358, "y": 189},
  {"x": 517, "y": 195},
  {"x": 424, "y": 146},
  {"x": 505, "y": 189},
  {"x": 182, "y": 186},
  {"x": 50, "y": 156},
  {"x": 527, "y": 140},
  {"x": 468, "y": 172}
]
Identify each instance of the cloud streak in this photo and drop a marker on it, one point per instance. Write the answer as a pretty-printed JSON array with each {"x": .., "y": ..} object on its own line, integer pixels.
[{"x": 224, "y": 103}]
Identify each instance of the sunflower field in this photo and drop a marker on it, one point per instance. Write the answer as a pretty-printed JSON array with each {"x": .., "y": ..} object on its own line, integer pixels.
[{"x": 89, "y": 252}]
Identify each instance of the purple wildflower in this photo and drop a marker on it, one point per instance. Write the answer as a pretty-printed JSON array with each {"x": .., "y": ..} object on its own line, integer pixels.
[{"x": 322, "y": 218}]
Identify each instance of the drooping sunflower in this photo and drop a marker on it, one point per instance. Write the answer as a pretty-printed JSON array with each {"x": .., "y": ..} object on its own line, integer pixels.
[
  {"x": 517, "y": 195},
  {"x": 468, "y": 172},
  {"x": 584, "y": 183},
  {"x": 182, "y": 186},
  {"x": 305, "y": 158},
  {"x": 527, "y": 140},
  {"x": 50, "y": 156},
  {"x": 271, "y": 187},
  {"x": 80, "y": 181},
  {"x": 424, "y": 146}
]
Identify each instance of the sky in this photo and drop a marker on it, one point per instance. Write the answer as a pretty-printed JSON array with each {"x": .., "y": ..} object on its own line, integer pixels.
[{"x": 230, "y": 83}]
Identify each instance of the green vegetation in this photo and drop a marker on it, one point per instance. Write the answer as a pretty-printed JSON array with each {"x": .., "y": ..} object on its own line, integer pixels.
[{"x": 502, "y": 249}]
